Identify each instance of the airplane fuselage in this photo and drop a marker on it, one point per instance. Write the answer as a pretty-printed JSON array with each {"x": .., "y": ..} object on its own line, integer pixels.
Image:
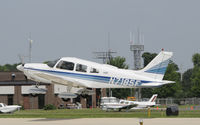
[
  {"x": 108, "y": 77},
  {"x": 76, "y": 72}
]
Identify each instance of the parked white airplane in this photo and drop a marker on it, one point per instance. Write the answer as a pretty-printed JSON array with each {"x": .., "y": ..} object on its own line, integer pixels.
[
  {"x": 112, "y": 103},
  {"x": 116, "y": 104},
  {"x": 146, "y": 104},
  {"x": 78, "y": 73},
  {"x": 8, "y": 108}
]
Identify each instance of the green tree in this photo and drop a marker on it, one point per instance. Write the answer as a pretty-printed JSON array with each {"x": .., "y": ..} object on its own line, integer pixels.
[
  {"x": 187, "y": 83},
  {"x": 196, "y": 60},
  {"x": 8, "y": 67},
  {"x": 147, "y": 58},
  {"x": 173, "y": 89},
  {"x": 195, "y": 78},
  {"x": 120, "y": 63}
]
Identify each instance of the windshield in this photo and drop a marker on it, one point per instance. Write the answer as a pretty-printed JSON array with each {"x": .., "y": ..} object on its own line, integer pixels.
[{"x": 52, "y": 63}]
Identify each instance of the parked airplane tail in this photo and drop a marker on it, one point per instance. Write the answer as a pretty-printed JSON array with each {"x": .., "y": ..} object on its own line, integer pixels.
[
  {"x": 157, "y": 67},
  {"x": 153, "y": 98}
]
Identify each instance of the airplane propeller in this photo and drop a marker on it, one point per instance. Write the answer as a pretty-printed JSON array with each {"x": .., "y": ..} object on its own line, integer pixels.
[{"x": 21, "y": 66}]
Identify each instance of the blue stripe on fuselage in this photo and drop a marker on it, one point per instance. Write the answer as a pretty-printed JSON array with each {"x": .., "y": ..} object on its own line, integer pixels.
[
  {"x": 104, "y": 79},
  {"x": 96, "y": 78}
]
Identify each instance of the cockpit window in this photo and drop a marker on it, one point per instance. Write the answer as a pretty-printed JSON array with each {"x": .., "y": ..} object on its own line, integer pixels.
[
  {"x": 65, "y": 65},
  {"x": 94, "y": 70},
  {"x": 52, "y": 63},
  {"x": 81, "y": 68}
]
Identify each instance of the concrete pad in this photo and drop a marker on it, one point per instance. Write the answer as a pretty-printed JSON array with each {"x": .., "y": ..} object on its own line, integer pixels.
[{"x": 99, "y": 121}]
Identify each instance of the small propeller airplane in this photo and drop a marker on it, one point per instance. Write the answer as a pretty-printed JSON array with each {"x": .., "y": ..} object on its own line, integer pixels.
[
  {"x": 112, "y": 103},
  {"x": 82, "y": 74},
  {"x": 8, "y": 108},
  {"x": 146, "y": 104}
]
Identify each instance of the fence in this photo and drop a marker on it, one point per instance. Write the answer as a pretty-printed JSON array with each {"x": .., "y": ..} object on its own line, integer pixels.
[{"x": 182, "y": 101}]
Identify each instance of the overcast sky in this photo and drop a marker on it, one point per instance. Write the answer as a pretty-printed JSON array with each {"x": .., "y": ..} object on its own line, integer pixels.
[{"x": 79, "y": 27}]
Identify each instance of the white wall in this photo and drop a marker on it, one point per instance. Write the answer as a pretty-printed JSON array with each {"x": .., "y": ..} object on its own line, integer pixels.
[{"x": 7, "y": 90}]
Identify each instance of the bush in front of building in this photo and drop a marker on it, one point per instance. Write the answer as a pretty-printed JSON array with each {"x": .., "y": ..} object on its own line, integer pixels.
[
  {"x": 22, "y": 107},
  {"x": 49, "y": 107}
]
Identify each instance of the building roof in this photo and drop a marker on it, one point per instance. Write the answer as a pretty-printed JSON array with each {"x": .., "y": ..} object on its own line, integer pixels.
[
  {"x": 7, "y": 76},
  {"x": 20, "y": 79}
]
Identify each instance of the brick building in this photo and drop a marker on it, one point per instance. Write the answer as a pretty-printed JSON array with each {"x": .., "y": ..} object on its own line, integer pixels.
[{"x": 14, "y": 89}]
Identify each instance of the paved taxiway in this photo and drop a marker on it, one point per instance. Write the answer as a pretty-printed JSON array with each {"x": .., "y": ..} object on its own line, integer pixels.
[{"x": 99, "y": 121}]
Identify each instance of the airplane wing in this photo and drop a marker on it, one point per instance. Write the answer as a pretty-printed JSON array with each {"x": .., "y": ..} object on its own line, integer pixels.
[
  {"x": 58, "y": 80},
  {"x": 128, "y": 106}
]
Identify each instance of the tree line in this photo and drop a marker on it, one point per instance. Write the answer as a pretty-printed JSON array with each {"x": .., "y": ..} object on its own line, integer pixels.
[{"x": 9, "y": 67}]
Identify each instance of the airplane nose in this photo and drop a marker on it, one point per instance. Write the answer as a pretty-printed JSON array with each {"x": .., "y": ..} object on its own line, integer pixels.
[{"x": 20, "y": 67}]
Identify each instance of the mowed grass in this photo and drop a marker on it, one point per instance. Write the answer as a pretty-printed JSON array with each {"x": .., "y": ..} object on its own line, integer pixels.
[{"x": 96, "y": 113}]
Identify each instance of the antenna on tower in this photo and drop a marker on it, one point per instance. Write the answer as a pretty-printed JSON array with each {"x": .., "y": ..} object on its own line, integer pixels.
[
  {"x": 142, "y": 38},
  {"x": 108, "y": 40},
  {"x": 131, "y": 38},
  {"x": 139, "y": 36},
  {"x": 105, "y": 55},
  {"x": 137, "y": 49}
]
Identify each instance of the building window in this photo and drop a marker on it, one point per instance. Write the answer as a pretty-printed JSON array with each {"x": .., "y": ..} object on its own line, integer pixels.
[
  {"x": 65, "y": 65},
  {"x": 10, "y": 99},
  {"x": 41, "y": 101},
  {"x": 81, "y": 68}
]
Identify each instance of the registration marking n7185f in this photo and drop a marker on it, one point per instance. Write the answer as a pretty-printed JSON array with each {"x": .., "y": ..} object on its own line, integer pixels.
[{"x": 124, "y": 81}]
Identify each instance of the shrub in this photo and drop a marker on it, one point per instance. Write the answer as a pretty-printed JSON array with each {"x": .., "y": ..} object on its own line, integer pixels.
[{"x": 49, "y": 107}]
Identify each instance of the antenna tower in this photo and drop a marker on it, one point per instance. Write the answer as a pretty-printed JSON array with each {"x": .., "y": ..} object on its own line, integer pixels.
[{"x": 137, "y": 48}]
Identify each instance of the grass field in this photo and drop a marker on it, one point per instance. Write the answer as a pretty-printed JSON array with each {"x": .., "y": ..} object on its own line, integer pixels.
[{"x": 96, "y": 113}]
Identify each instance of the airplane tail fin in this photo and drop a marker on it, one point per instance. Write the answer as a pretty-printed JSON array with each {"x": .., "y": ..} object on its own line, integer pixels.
[
  {"x": 153, "y": 98},
  {"x": 157, "y": 67}
]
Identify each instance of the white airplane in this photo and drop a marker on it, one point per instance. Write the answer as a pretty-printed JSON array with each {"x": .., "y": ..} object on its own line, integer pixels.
[
  {"x": 8, "y": 108},
  {"x": 82, "y": 74},
  {"x": 146, "y": 104},
  {"x": 112, "y": 103}
]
